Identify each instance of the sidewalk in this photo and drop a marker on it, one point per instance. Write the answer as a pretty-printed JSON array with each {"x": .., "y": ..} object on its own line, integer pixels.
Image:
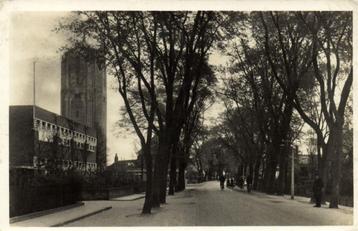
[
  {"x": 44, "y": 212},
  {"x": 299, "y": 199},
  {"x": 65, "y": 216}
]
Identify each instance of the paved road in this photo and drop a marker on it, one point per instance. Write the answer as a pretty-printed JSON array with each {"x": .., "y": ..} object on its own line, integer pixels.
[
  {"x": 206, "y": 205},
  {"x": 228, "y": 207}
]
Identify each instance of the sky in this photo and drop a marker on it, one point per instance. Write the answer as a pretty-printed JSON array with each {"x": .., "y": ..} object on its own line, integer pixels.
[{"x": 32, "y": 38}]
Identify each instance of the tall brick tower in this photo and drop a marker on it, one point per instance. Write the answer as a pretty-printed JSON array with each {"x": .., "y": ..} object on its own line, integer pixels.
[{"x": 84, "y": 95}]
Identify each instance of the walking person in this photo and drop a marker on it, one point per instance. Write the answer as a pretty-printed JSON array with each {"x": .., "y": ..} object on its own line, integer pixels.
[
  {"x": 249, "y": 182},
  {"x": 317, "y": 190},
  {"x": 222, "y": 181}
]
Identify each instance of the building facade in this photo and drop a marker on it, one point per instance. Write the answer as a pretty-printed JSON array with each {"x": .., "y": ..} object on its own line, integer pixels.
[
  {"x": 38, "y": 136},
  {"x": 84, "y": 95}
]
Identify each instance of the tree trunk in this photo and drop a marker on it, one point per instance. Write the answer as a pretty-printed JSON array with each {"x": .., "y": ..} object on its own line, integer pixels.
[
  {"x": 181, "y": 176},
  {"x": 245, "y": 170},
  {"x": 324, "y": 177},
  {"x": 173, "y": 171},
  {"x": 164, "y": 180},
  {"x": 322, "y": 170},
  {"x": 148, "y": 191},
  {"x": 251, "y": 169},
  {"x": 336, "y": 167},
  {"x": 165, "y": 150},
  {"x": 270, "y": 176},
  {"x": 281, "y": 177},
  {"x": 157, "y": 180},
  {"x": 161, "y": 171},
  {"x": 256, "y": 173}
]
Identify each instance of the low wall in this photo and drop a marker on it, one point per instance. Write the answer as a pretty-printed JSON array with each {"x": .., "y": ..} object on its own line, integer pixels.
[
  {"x": 26, "y": 199},
  {"x": 104, "y": 193}
]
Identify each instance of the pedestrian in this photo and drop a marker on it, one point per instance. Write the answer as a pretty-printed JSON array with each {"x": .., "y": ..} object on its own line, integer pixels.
[
  {"x": 317, "y": 190},
  {"x": 222, "y": 181},
  {"x": 249, "y": 182}
]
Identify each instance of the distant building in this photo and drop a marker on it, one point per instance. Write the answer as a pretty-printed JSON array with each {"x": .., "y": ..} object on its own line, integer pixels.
[
  {"x": 37, "y": 136},
  {"x": 125, "y": 165},
  {"x": 133, "y": 168}
]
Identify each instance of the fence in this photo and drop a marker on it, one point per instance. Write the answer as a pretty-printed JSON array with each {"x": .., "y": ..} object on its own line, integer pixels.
[{"x": 30, "y": 192}]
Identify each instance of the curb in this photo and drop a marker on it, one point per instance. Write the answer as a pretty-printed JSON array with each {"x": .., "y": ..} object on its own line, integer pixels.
[
  {"x": 44, "y": 212},
  {"x": 137, "y": 198},
  {"x": 81, "y": 217}
]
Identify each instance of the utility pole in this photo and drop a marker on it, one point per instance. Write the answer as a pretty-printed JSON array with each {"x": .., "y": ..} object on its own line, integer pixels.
[{"x": 33, "y": 112}]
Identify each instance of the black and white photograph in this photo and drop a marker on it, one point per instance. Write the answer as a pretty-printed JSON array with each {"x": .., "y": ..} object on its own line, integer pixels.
[{"x": 179, "y": 118}]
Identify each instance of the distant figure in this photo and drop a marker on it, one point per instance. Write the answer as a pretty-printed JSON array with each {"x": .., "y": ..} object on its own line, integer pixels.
[
  {"x": 317, "y": 190},
  {"x": 249, "y": 182},
  {"x": 222, "y": 182}
]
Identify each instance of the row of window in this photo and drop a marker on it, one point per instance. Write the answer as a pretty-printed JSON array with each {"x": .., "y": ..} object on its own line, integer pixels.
[
  {"x": 64, "y": 133},
  {"x": 39, "y": 162},
  {"x": 65, "y": 142}
]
